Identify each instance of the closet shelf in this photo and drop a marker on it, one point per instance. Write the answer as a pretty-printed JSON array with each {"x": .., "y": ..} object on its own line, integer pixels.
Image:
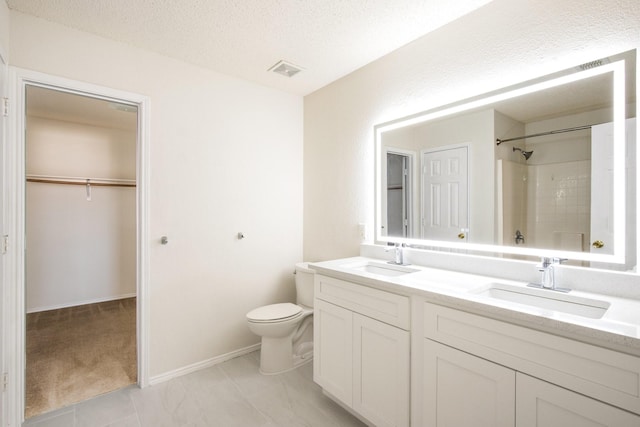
[{"x": 68, "y": 180}]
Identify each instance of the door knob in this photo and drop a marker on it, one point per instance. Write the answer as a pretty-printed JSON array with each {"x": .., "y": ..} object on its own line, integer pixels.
[
  {"x": 598, "y": 244},
  {"x": 461, "y": 236}
]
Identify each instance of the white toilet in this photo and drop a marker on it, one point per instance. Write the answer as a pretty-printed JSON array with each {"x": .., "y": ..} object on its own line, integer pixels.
[{"x": 286, "y": 329}]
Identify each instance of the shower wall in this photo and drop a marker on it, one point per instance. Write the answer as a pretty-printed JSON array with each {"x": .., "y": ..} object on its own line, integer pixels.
[
  {"x": 549, "y": 204},
  {"x": 559, "y": 205},
  {"x": 514, "y": 202},
  {"x": 511, "y": 182}
]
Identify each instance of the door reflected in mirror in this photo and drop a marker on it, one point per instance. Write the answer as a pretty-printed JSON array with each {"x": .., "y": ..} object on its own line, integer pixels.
[{"x": 544, "y": 167}]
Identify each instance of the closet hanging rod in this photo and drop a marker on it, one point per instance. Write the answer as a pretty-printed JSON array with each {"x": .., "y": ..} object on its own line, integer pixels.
[
  {"x": 551, "y": 132},
  {"x": 81, "y": 181}
]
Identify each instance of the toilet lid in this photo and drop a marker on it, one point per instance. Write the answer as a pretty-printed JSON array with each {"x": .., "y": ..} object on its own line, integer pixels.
[{"x": 273, "y": 312}]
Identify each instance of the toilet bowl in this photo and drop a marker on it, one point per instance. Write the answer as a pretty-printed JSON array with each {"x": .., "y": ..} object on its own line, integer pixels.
[{"x": 286, "y": 329}]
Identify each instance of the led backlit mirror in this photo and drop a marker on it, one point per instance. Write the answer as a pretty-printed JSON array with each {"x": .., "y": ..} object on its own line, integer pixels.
[{"x": 546, "y": 167}]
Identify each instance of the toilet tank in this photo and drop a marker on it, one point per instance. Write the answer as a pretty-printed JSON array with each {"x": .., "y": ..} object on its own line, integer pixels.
[{"x": 304, "y": 284}]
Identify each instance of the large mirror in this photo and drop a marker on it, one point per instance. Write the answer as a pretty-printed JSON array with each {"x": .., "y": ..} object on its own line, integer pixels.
[{"x": 543, "y": 168}]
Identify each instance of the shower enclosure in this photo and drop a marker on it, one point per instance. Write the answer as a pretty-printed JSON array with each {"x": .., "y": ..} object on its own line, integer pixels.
[{"x": 546, "y": 196}]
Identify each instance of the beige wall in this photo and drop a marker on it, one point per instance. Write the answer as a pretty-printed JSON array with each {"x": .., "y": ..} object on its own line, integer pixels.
[
  {"x": 502, "y": 43},
  {"x": 226, "y": 157},
  {"x": 79, "y": 251},
  {"x": 64, "y": 148},
  {"x": 4, "y": 28}
]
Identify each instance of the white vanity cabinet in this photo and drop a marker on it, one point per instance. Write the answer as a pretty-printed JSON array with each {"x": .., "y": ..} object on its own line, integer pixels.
[
  {"x": 361, "y": 349},
  {"x": 479, "y": 372},
  {"x": 333, "y": 350},
  {"x": 539, "y": 403},
  {"x": 464, "y": 390}
]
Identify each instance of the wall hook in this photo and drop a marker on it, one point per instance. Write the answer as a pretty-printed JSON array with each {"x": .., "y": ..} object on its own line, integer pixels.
[
  {"x": 240, "y": 235},
  {"x": 88, "y": 190}
]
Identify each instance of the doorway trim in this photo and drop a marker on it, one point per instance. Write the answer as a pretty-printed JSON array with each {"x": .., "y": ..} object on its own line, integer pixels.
[
  {"x": 14, "y": 286},
  {"x": 4, "y": 133},
  {"x": 410, "y": 190}
]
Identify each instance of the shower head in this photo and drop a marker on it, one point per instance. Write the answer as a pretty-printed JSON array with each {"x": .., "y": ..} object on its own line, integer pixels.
[{"x": 526, "y": 154}]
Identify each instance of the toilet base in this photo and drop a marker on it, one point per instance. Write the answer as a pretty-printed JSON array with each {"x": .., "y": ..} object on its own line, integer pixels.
[{"x": 277, "y": 356}]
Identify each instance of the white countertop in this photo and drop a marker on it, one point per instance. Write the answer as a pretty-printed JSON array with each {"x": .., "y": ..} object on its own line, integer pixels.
[{"x": 618, "y": 328}]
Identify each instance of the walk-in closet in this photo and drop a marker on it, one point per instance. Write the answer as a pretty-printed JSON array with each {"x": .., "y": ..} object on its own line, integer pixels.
[{"x": 80, "y": 204}]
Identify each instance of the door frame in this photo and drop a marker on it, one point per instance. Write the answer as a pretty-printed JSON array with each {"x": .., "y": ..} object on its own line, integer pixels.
[
  {"x": 14, "y": 286},
  {"x": 4, "y": 87},
  {"x": 410, "y": 192}
]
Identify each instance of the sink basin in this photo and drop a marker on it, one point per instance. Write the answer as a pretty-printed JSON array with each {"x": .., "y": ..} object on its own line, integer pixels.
[
  {"x": 381, "y": 268},
  {"x": 548, "y": 300}
]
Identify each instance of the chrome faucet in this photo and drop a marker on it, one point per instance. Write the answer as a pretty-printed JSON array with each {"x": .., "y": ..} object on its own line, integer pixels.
[
  {"x": 399, "y": 253},
  {"x": 548, "y": 280}
]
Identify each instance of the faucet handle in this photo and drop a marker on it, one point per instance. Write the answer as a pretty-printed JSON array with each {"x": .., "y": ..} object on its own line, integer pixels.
[
  {"x": 545, "y": 262},
  {"x": 559, "y": 260}
]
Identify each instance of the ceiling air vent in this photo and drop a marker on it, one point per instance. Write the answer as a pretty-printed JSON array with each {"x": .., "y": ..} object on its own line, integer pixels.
[
  {"x": 594, "y": 64},
  {"x": 286, "y": 69}
]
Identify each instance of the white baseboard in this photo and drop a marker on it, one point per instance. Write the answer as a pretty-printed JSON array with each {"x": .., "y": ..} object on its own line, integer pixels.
[
  {"x": 77, "y": 303},
  {"x": 202, "y": 365}
]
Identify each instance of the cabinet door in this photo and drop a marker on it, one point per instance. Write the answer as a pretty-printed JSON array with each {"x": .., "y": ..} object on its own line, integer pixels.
[
  {"x": 461, "y": 390},
  {"x": 380, "y": 372},
  {"x": 333, "y": 350},
  {"x": 541, "y": 404}
]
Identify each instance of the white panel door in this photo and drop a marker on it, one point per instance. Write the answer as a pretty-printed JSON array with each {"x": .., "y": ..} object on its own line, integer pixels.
[
  {"x": 541, "y": 404},
  {"x": 333, "y": 350},
  {"x": 461, "y": 390},
  {"x": 380, "y": 372},
  {"x": 445, "y": 198}
]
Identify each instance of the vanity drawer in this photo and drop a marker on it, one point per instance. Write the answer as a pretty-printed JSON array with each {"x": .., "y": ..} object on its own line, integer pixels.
[
  {"x": 604, "y": 374},
  {"x": 384, "y": 306}
]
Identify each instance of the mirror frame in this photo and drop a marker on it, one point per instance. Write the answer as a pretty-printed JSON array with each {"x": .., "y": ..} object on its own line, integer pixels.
[{"x": 614, "y": 64}]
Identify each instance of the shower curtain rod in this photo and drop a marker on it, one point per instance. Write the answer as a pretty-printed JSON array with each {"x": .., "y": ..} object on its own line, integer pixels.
[
  {"x": 551, "y": 132},
  {"x": 81, "y": 181}
]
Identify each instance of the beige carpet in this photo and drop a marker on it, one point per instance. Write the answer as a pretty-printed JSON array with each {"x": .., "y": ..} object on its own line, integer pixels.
[{"x": 80, "y": 352}]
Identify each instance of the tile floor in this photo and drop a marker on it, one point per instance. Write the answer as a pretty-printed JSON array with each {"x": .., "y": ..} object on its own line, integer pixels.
[{"x": 230, "y": 394}]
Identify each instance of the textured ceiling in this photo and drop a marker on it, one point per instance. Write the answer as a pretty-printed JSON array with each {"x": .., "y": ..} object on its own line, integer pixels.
[{"x": 244, "y": 38}]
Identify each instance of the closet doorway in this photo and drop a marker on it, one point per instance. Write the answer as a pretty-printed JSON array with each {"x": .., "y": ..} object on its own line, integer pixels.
[{"x": 81, "y": 247}]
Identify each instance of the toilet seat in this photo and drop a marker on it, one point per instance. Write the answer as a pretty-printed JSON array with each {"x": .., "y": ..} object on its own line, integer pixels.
[{"x": 275, "y": 313}]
